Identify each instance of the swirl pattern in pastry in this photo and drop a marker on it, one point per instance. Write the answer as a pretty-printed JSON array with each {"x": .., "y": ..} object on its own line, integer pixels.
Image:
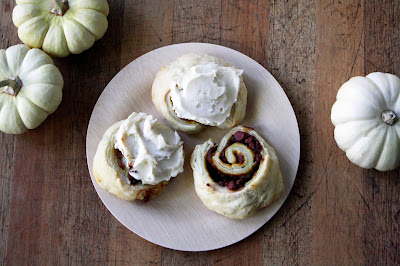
[{"x": 239, "y": 176}]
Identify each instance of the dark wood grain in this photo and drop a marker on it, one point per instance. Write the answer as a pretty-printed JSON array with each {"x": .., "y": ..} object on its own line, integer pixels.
[
  {"x": 381, "y": 190},
  {"x": 336, "y": 213},
  {"x": 8, "y": 36},
  {"x": 337, "y": 202},
  {"x": 291, "y": 59}
]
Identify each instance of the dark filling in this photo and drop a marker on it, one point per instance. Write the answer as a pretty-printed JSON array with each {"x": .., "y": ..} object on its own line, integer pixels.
[
  {"x": 235, "y": 182},
  {"x": 119, "y": 156}
]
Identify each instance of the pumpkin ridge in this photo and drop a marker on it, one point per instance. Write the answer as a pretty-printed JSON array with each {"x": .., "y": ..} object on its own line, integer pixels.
[
  {"x": 365, "y": 135},
  {"x": 368, "y": 91},
  {"x": 382, "y": 146},
  {"x": 380, "y": 92},
  {"x": 340, "y": 117},
  {"x": 391, "y": 84},
  {"x": 71, "y": 17},
  {"x": 20, "y": 123},
  {"x": 4, "y": 62},
  {"x": 368, "y": 151},
  {"x": 31, "y": 53},
  {"x": 360, "y": 120},
  {"x": 27, "y": 93},
  {"x": 40, "y": 114},
  {"x": 28, "y": 78},
  {"x": 14, "y": 64},
  {"x": 395, "y": 103},
  {"x": 397, "y": 130},
  {"x": 49, "y": 19},
  {"x": 384, "y": 151},
  {"x": 345, "y": 126},
  {"x": 29, "y": 6},
  {"x": 72, "y": 5},
  {"x": 52, "y": 31},
  {"x": 83, "y": 45},
  {"x": 76, "y": 9},
  {"x": 44, "y": 35},
  {"x": 351, "y": 102},
  {"x": 34, "y": 105},
  {"x": 1, "y": 101}
]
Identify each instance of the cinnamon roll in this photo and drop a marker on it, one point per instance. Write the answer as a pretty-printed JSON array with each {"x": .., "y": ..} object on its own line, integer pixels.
[
  {"x": 199, "y": 90},
  {"x": 239, "y": 176},
  {"x": 137, "y": 157}
]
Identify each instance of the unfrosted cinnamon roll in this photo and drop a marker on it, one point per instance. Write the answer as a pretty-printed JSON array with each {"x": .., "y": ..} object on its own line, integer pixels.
[
  {"x": 137, "y": 157},
  {"x": 239, "y": 176},
  {"x": 198, "y": 90}
]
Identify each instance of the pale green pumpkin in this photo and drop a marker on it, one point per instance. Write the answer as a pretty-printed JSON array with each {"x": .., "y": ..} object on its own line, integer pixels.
[
  {"x": 30, "y": 88},
  {"x": 61, "y": 27}
]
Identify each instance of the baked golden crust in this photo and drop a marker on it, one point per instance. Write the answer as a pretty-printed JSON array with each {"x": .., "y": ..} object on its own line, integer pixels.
[
  {"x": 162, "y": 100},
  {"x": 111, "y": 177},
  {"x": 262, "y": 189}
]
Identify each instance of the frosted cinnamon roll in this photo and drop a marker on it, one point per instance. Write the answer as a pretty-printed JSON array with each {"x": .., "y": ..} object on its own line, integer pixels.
[
  {"x": 137, "y": 157},
  {"x": 239, "y": 176},
  {"x": 198, "y": 90}
]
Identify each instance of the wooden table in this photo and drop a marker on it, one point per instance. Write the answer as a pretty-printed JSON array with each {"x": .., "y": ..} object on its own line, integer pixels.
[{"x": 337, "y": 213}]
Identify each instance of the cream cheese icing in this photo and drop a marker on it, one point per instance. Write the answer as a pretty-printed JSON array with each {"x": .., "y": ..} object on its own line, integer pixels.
[
  {"x": 152, "y": 153},
  {"x": 205, "y": 93}
]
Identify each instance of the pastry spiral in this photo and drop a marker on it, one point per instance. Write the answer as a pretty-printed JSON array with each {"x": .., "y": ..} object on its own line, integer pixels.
[
  {"x": 239, "y": 176},
  {"x": 136, "y": 173},
  {"x": 173, "y": 77}
]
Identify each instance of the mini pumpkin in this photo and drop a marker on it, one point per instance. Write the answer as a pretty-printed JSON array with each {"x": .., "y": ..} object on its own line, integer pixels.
[
  {"x": 30, "y": 88},
  {"x": 61, "y": 27},
  {"x": 365, "y": 116}
]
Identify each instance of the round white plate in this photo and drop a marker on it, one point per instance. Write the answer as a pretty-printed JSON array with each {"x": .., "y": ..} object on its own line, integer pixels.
[{"x": 177, "y": 219}]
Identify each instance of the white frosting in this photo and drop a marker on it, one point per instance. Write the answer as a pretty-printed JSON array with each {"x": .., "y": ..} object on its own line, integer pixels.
[
  {"x": 206, "y": 92},
  {"x": 151, "y": 152}
]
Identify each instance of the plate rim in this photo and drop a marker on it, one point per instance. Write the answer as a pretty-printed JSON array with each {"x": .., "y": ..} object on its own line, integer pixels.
[{"x": 177, "y": 45}]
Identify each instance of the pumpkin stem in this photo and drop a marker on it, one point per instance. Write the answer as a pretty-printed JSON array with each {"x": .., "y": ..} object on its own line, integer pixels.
[
  {"x": 389, "y": 117},
  {"x": 12, "y": 86},
  {"x": 60, "y": 7}
]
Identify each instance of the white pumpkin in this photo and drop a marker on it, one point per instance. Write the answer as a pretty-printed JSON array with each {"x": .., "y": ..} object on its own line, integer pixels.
[
  {"x": 61, "y": 27},
  {"x": 30, "y": 88},
  {"x": 365, "y": 116}
]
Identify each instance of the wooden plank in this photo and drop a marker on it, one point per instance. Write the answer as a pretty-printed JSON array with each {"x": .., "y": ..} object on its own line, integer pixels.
[
  {"x": 246, "y": 252},
  {"x": 129, "y": 248},
  {"x": 6, "y": 173},
  {"x": 244, "y": 27},
  {"x": 147, "y": 26},
  {"x": 8, "y": 37},
  {"x": 197, "y": 21},
  {"x": 381, "y": 190},
  {"x": 56, "y": 216},
  {"x": 291, "y": 59},
  {"x": 337, "y": 209}
]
